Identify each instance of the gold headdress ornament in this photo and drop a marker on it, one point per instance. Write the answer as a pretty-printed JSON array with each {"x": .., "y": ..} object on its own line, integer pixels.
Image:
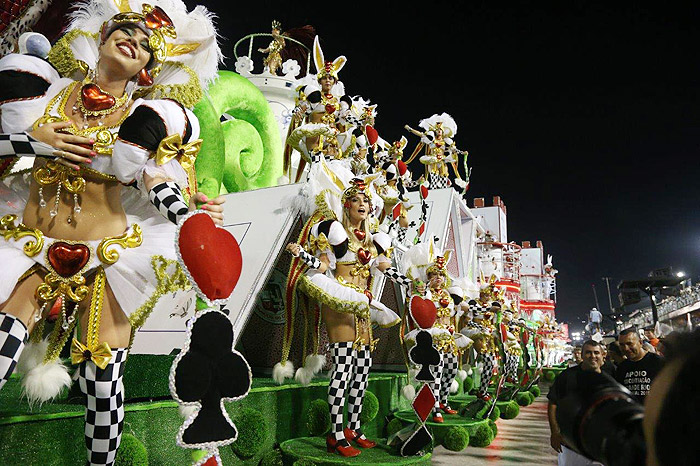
[
  {"x": 489, "y": 292},
  {"x": 357, "y": 186},
  {"x": 397, "y": 147},
  {"x": 438, "y": 263},
  {"x": 326, "y": 68},
  {"x": 276, "y": 25}
]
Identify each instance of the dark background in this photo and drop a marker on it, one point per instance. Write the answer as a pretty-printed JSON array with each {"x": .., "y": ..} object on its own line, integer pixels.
[{"x": 583, "y": 117}]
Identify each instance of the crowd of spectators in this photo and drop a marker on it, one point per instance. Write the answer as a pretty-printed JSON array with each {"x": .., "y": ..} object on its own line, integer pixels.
[{"x": 635, "y": 360}]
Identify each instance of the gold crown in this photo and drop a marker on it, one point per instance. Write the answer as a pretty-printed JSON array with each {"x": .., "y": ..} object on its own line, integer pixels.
[
  {"x": 327, "y": 70},
  {"x": 276, "y": 25},
  {"x": 439, "y": 266},
  {"x": 357, "y": 186}
]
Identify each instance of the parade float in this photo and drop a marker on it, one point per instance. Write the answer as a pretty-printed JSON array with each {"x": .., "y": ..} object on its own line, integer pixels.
[{"x": 283, "y": 139}]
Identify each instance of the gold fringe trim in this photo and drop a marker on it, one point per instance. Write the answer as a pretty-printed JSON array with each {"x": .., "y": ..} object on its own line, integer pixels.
[{"x": 166, "y": 284}]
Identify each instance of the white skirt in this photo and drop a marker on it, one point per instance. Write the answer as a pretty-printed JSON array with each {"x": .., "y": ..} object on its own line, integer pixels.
[
  {"x": 132, "y": 278},
  {"x": 342, "y": 298}
]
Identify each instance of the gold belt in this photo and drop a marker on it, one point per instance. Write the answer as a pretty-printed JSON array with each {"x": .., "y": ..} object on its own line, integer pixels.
[{"x": 67, "y": 262}]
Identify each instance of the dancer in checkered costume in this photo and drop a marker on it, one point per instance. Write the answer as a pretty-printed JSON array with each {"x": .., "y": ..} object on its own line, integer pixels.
[
  {"x": 336, "y": 271},
  {"x": 84, "y": 160},
  {"x": 480, "y": 329},
  {"x": 104, "y": 410},
  {"x": 450, "y": 367},
  {"x": 13, "y": 337},
  {"x": 441, "y": 151},
  {"x": 489, "y": 361}
]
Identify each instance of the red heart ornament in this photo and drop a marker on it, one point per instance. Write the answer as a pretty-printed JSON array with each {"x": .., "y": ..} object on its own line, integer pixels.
[
  {"x": 372, "y": 135},
  {"x": 211, "y": 255},
  {"x": 402, "y": 167},
  {"x": 68, "y": 259},
  {"x": 423, "y": 192},
  {"x": 94, "y": 99},
  {"x": 157, "y": 18},
  {"x": 444, "y": 302},
  {"x": 364, "y": 255},
  {"x": 330, "y": 108},
  {"x": 359, "y": 234},
  {"x": 423, "y": 312}
]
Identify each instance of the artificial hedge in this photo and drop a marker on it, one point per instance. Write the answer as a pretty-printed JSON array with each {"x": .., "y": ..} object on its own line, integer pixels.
[
  {"x": 494, "y": 427},
  {"x": 495, "y": 414},
  {"x": 510, "y": 410},
  {"x": 318, "y": 418},
  {"x": 456, "y": 438},
  {"x": 523, "y": 398},
  {"x": 132, "y": 452},
  {"x": 303, "y": 462},
  {"x": 252, "y": 432},
  {"x": 370, "y": 408},
  {"x": 535, "y": 390},
  {"x": 482, "y": 436},
  {"x": 272, "y": 458},
  {"x": 549, "y": 376},
  {"x": 467, "y": 384}
]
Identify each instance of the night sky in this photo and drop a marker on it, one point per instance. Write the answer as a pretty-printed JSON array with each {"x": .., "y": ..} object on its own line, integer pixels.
[{"x": 584, "y": 118}]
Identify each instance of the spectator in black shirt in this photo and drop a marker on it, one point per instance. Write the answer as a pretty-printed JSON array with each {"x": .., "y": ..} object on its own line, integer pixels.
[
  {"x": 592, "y": 354},
  {"x": 641, "y": 367}
]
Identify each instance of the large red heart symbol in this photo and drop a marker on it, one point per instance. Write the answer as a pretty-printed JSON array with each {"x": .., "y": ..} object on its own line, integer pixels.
[
  {"x": 372, "y": 135},
  {"x": 68, "y": 259},
  {"x": 94, "y": 99},
  {"x": 364, "y": 256},
  {"x": 211, "y": 255},
  {"x": 359, "y": 234},
  {"x": 423, "y": 311}
]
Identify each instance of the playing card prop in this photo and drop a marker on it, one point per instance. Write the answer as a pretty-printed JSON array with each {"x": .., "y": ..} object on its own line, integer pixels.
[
  {"x": 424, "y": 355},
  {"x": 208, "y": 371}
]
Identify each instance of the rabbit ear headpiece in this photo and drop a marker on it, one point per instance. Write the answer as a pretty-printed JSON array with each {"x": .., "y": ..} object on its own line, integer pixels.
[{"x": 326, "y": 68}]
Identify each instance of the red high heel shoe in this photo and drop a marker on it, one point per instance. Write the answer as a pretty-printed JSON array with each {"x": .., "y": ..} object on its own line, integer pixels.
[
  {"x": 353, "y": 436},
  {"x": 438, "y": 418},
  {"x": 447, "y": 410},
  {"x": 341, "y": 446}
]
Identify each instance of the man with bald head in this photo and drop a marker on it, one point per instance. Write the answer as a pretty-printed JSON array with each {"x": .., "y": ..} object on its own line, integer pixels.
[{"x": 641, "y": 366}]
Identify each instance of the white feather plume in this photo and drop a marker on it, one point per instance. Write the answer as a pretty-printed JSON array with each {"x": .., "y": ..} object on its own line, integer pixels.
[
  {"x": 462, "y": 376},
  {"x": 41, "y": 382},
  {"x": 454, "y": 386},
  {"x": 408, "y": 392},
  {"x": 282, "y": 370}
]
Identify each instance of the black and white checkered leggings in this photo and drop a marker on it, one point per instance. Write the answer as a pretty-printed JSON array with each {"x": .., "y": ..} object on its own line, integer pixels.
[
  {"x": 13, "y": 338},
  {"x": 489, "y": 360},
  {"x": 104, "y": 409},
  {"x": 352, "y": 366}
]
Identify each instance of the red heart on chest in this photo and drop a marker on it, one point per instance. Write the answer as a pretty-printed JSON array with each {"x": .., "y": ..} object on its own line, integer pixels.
[
  {"x": 444, "y": 302},
  {"x": 211, "y": 255},
  {"x": 364, "y": 256},
  {"x": 359, "y": 234},
  {"x": 68, "y": 259},
  {"x": 372, "y": 135},
  {"x": 94, "y": 99},
  {"x": 422, "y": 311}
]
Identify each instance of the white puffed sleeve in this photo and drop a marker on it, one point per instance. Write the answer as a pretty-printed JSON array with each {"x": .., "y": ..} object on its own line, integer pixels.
[{"x": 150, "y": 122}]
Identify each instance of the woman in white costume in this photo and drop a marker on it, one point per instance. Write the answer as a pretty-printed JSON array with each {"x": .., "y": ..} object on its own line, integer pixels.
[
  {"x": 83, "y": 254},
  {"x": 336, "y": 272}
]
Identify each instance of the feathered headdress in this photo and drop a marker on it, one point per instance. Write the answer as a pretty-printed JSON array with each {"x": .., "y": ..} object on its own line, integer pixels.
[
  {"x": 444, "y": 121},
  {"x": 424, "y": 259},
  {"x": 186, "y": 54}
]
